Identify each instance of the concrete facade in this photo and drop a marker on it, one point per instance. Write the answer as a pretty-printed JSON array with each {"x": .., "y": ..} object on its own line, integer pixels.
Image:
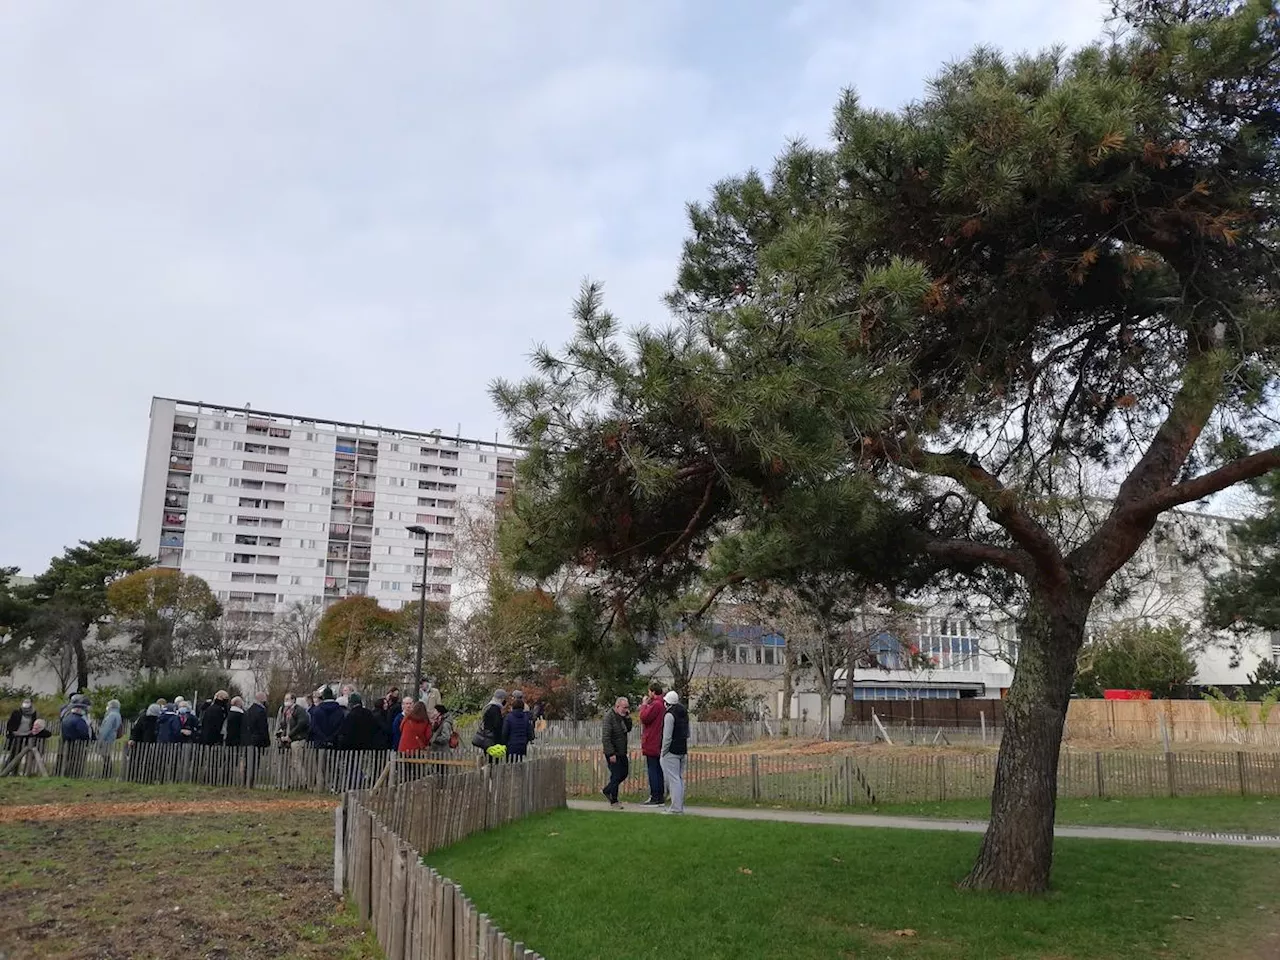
[{"x": 272, "y": 509}]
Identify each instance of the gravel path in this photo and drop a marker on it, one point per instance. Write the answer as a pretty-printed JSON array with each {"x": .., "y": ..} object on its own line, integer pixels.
[{"x": 954, "y": 826}]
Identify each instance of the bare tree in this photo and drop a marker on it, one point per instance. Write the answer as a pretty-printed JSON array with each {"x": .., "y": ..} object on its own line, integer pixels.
[
  {"x": 682, "y": 650},
  {"x": 225, "y": 640},
  {"x": 295, "y": 633}
]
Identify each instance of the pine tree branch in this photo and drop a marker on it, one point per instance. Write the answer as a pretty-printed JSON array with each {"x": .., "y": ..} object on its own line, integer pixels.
[
  {"x": 719, "y": 588},
  {"x": 969, "y": 551},
  {"x": 1215, "y": 481},
  {"x": 966, "y": 469},
  {"x": 685, "y": 535}
]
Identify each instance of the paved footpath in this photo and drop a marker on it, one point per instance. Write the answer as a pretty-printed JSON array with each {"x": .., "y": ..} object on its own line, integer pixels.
[{"x": 953, "y": 826}]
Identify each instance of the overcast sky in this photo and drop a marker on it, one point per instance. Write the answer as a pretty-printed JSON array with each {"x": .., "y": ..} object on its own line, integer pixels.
[{"x": 368, "y": 211}]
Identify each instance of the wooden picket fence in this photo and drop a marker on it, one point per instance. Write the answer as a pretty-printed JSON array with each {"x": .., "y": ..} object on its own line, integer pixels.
[
  {"x": 302, "y": 768},
  {"x": 381, "y": 836},
  {"x": 892, "y": 777}
]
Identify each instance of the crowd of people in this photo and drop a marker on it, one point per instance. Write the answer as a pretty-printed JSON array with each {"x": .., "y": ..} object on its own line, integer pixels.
[
  {"x": 323, "y": 719},
  {"x": 408, "y": 725}
]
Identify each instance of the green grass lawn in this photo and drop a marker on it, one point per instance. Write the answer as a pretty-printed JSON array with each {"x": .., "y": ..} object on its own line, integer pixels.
[
  {"x": 1255, "y": 815},
  {"x": 575, "y": 886}
]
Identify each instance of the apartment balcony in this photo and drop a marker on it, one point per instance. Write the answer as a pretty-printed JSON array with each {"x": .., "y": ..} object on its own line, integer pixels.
[
  {"x": 169, "y": 557},
  {"x": 179, "y": 463},
  {"x": 363, "y": 498},
  {"x": 360, "y": 536},
  {"x": 175, "y": 501},
  {"x": 362, "y": 517},
  {"x": 357, "y": 589},
  {"x": 335, "y": 583},
  {"x": 367, "y": 448},
  {"x": 341, "y": 499},
  {"x": 171, "y": 540},
  {"x": 365, "y": 483},
  {"x": 182, "y": 445},
  {"x": 358, "y": 571},
  {"x": 178, "y": 481},
  {"x": 174, "y": 520},
  {"x": 360, "y": 553},
  {"x": 345, "y": 446},
  {"x": 343, "y": 482},
  {"x": 339, "y": 531},
  {"x": 338, "y": 551}
]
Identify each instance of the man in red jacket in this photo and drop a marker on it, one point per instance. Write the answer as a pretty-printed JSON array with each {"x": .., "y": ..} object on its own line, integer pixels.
[{"x": 652, "y": 710}]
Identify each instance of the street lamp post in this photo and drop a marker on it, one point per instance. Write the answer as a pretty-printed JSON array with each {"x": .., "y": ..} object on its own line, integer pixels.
[{"x": 422, "y": 610}]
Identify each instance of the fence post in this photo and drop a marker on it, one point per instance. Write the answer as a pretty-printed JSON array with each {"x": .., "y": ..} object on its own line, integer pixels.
[
  {"x": 755, "y": 778},
  {"x": 942, "y": 778},
  {"x": 982, "y": 719},
  {"x": 1171, "y": 773},
  {"x": 1097, "y": 764},
  {"x": 339, "y": 845},
  {"x": 1240, "y": 771}
]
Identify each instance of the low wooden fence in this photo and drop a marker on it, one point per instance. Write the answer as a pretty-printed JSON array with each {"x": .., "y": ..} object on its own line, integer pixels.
[
  {"x": 850, "y": 781},
  {"x": 713, "y": 734},
  {"x": 382, "y": 835},
  {"x": 302, "y": 768},
  {"x": 1181, "y": 721}
]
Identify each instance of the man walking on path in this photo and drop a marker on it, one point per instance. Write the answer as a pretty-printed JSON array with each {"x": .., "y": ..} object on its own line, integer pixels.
[
  {"x": 675, "y": 748},
  {"x": 652, "y": 710},
  {"x": 616, "y": 726}
]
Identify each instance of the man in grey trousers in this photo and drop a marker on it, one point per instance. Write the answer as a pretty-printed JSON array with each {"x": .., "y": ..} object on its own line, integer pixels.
[{"x": 675, "y": 749}]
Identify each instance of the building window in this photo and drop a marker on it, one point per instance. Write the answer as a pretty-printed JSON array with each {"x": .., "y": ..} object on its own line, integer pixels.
[{"x": 949, "y": 643}]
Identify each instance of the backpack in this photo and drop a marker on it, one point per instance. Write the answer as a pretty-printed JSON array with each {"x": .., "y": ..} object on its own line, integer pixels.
[{"x": 454, "y": 740}]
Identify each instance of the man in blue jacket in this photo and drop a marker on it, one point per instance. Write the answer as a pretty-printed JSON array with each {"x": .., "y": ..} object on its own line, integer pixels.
[
  {"x": 75, "y": 737},
  {"x": 326, "y": 718},
  {"x": 168, "y": 727}
]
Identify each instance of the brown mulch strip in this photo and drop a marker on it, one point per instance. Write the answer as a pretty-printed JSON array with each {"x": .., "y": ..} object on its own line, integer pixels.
[{"x": 152, "y": 808}]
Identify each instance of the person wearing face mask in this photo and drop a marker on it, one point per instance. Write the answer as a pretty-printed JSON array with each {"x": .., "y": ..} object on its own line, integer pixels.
[
  {"x": 188, "y": 725},
  {"x": 18, "y": 729},
  {"x": 293, "y": 724}
]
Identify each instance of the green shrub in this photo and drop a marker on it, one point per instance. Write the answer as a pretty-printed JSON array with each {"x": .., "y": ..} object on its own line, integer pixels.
[{"x": 189, "y": 682}]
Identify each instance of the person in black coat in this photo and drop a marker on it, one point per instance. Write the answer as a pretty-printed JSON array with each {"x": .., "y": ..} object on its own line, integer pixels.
[
  {"x": 383, "y": 719},
  {"x": 235, "y": 723},
  {"x": 491, "y": 719},
  {"x": 359, "y": 730},
  {"x": 517, "y": 728},
  {"x": 255, "y": 732},
  {"x": 145, "y": 727},
  {"x": 214, "y": 718}
]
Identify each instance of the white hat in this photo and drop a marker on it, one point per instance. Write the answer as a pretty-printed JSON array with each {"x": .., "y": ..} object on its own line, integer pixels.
[{"x": 671, "y": 697}]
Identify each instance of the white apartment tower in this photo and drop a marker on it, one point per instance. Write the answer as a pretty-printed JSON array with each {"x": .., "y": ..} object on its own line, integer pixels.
[{"x": 273, "y": 508}]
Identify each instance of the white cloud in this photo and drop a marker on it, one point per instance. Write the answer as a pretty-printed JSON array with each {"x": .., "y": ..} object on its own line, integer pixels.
[{"x": 367, "y": 212}]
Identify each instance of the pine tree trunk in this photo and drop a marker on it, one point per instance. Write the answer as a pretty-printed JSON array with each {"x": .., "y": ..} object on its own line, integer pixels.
[
  {"x": 82, "y": 663},
  {"x": 1017, "y": 850}
]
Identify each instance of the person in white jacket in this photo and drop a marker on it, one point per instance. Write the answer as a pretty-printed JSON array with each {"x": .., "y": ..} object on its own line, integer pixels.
[{"x": 675, "y": 749}]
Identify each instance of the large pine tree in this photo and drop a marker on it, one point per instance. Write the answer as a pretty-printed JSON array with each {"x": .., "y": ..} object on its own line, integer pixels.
[{"x": 919, "y": 353}]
